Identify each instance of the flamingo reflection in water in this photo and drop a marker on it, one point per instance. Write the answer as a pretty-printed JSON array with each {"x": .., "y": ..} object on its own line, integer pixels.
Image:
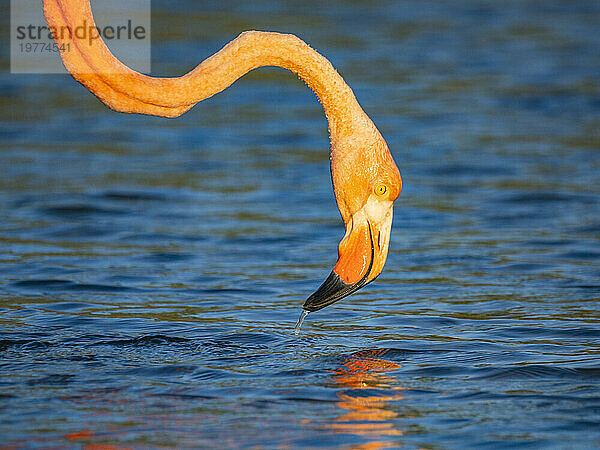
[{"x": 367, "y": 413}]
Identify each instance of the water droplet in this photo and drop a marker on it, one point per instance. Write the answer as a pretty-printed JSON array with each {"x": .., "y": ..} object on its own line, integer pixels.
[{"x": 303, "y": 315}]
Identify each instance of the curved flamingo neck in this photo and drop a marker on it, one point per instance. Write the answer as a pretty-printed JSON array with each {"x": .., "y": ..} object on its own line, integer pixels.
[{"x": 126, "y": 90}]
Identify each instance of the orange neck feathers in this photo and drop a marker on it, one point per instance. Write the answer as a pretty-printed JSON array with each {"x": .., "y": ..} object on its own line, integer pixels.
[
  {"x": 365, "y": 178},
  {"x": 126, "y": 90}
]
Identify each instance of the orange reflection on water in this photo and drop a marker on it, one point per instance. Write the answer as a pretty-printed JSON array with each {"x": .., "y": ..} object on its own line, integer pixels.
[{"x": 367, "y": 415}]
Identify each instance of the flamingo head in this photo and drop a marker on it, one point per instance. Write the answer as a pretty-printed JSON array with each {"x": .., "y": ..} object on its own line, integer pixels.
[{"x": 366, "y": 183}]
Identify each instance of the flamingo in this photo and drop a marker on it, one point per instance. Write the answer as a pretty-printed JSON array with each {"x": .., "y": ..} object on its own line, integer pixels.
[{"x": 366, "y": 181}]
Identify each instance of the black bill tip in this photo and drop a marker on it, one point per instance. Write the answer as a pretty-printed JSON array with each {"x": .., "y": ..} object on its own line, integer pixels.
[{"x": 332, "y": 290}]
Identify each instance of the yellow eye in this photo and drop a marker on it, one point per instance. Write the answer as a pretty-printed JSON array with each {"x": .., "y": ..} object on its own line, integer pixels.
[{"x": 381, "y": 189}]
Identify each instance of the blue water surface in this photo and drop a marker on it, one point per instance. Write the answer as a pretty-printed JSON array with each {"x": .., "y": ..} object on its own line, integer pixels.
[{"x": 152, "y": 270}]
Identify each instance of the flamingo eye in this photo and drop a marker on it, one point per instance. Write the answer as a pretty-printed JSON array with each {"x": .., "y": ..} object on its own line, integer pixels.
[{"x": 381, "y": 189}]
